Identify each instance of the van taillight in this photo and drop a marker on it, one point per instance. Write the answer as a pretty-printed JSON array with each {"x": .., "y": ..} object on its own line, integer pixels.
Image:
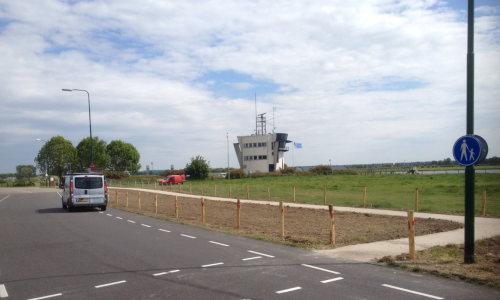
[
  {"x": 105, "y": 187},
  {"x": 71, "y": 188}
]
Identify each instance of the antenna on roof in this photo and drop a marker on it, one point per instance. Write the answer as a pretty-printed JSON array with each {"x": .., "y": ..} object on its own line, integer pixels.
[{"x": 256, "y": 133}]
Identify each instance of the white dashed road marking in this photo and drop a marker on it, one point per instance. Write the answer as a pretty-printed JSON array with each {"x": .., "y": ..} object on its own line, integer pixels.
[
  {"x": 331, "y": 280},
  {"x": 164, "y": 273},
  {"x": 131, "y": 221},
  {"x": 101, "y": 212},
  {"x": 288, "y": 290},
  {"x": 108, "y": 284},
  {"x": 109, "y": 215},
  {"x": 119, "y": 218},
  {"x": 267, "y": 255},
  {"x": 188, "y": 236},
  {"x": 145, "y": 225},
  {"x": 164, "y": 230},
  {"x": 218, "y": 243},
  {"x": 204, "y": 266},
  {"x": 5, "y": 198},
  {"x": 410, "y": 291},
  {"x": 45, "y": 297},
  {"x": 250, "y": 258},
  {"x": 321, "y": 269},
  {"x": 3, "y": 291}
]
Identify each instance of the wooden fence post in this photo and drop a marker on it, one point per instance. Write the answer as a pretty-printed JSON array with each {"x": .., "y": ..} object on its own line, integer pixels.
[
  {"x": 268, "y": 194},
  {"x": 215, "y": 190},
  {"x": 156, "y": 203},
  {"x": 141, "y": 184},
  {"x": 155, "y": 184},
  {"x": 282, "y": 227},
  {"x": 170, "y": 186},
  {"x": 120, "y": 183},
  {"x": 148, "y": 183},
  {"x": 416, "y": 199},
  {"x": 116, "y": 197},
  {"x": 229, "y": 191},
  {"x": 140, "y": 199},
  {"x": 190, "y": 189},
  {"x": 364, "y": 196},
  {"x": 248, "y": 193},
  {"x": 180, "y": 184},
  {"x": 162, "y": 187},
  {"x": 324, "y": 194},
  {"x": 135, "y": 183},
  {"x": 202, "y": 210},
  {"x": 411, "y": 234},
  {"x": 238, "y": 213},
  {"x": 293, "y": 193},
  {"x": 332, "y": 225},
  {"x": 483, "y": 206},
  {"x": 128, "y": 183},
  {"x": 201, "y": 189},
  {"x": 127, "y": 200},
  {"x": 176, "y": 209}
]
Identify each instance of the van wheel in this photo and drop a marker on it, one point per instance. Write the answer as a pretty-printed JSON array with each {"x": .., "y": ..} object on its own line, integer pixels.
[
  {"x": 63, "y": 205},
  {"x": 70, "y": 207},
  {"x": 103, "y": 208}
]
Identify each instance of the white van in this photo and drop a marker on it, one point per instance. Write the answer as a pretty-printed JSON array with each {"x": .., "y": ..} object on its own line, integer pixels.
[{"x": 84, "y": 190}]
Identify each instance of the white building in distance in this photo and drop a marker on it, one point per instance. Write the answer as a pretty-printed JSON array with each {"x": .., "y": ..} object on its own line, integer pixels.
[{"x": 261, "y": 152}]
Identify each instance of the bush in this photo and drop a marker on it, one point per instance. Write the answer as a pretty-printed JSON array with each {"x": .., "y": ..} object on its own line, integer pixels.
[
  {"x": 288, "y": 171},
  {"x": 115, "y": 174},
  {"x": 238, "y": 173},
  {"x": 321, "y": 170},
  {"x": 198, "y": 168}
]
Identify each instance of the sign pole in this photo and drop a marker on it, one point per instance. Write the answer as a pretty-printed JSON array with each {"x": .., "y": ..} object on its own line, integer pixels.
[{"x": 470, "y": 170}]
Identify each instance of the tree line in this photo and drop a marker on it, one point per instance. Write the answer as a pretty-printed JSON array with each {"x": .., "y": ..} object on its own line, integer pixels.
[{"x": 61, "y": 156}]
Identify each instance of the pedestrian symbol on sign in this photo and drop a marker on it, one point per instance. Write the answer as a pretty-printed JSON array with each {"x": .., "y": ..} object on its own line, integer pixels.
[{"x": 469, "y": 150}]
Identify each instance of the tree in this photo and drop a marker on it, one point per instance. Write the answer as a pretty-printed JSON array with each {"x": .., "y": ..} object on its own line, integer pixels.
[
  {"x": 25, "y": 171},
  {"x": 123, "y": 156},
  {"x": 198, "y": 168},
  {"x": 101, "y": 156},
  {"x": 61, "y": 154}
]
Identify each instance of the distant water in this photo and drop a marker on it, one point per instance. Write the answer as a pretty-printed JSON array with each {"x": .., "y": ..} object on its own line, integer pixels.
[{"x": 430, "y": 172}]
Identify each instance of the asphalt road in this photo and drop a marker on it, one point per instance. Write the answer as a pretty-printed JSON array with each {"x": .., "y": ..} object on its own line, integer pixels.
[{"x": 48, "y": 253}]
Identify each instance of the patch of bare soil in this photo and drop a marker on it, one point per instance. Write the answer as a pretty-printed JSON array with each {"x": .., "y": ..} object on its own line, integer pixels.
[
  {"x": 306, "y": 228},
  {"x": 447, "y": 261}
]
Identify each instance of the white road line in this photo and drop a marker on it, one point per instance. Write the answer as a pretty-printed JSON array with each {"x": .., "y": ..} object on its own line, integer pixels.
[
  {"x": 204, "y": 266},
  {"x": 410, "y": 291},
  {"x": 164, "y": 273},
  {"x": 131, "y": 221},
  {"x": 45, "y": 297},
  {"x": 250, "y": 258},
  {"x": 192, "y": 237},
  {"x": 101, "y": 212},
  {"x": 3, "y": 291},
  {"x": 5, "y": 198},
  {"x": 288, "y": 290},
  {"x": 164, "y": 230},
  {"x": 119, "y": 218},
  {"x": 321, "y": 269},
  {"x": 267, "y": 255},
  {"x": 333, "y": 279},
  {"x": 218, "y": 243},
  {"x": 109, "y": 215},
  {"x": 145, "y": 225},
  {"x": 108, "y": 284}
]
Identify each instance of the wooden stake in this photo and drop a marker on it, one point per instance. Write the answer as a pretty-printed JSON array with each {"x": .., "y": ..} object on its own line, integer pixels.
[
  {"x": 162, "y": 187},
  {"x": 229, "y": 191},
  {"x": 201, "y": 189},
  {"x": 332, "y": 225},
  {"x": 170, "y": 186},
  {"x": 282, "y": 212},
  {"x": 190, "y": 189},
  {"x": 324, "y": 194},
  {"x": 416, "y": 199},
  {"x": 135, "y": 183},
  {"x": 116, "y": 196},
  {"x": 128, "y": 183},
  {"x": 155, "y": 184},
  {"x": 176, "y": 209},
  {"x": 127, "y": 199},
  {"x": 202, "y": 210},
  {"x": 238, "y": 213},
  {"x": 141, "y": 184},
  {"x": 156, "y": 203},
  {"x": 268, "y": 194},
  {"x": 248, "y": 193},
  {"x": 293, "y": 193},
  {"x": 120, "y": 185},
  {"x": 140, "y": 199},
  {"x": 411, "y": 234},
  {"x": 180, "y": 187},
  {"x": 364, "y": 196},
  {"x": 215, "y": 190},
  {"x": 483, "y": 207},
  {"x": 148, "y": 183}
]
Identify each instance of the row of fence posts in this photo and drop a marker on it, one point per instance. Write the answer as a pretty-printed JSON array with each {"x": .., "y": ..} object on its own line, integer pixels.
[
  {"x": 483, "y": 206},
  {"x": 411, "y": 220}
]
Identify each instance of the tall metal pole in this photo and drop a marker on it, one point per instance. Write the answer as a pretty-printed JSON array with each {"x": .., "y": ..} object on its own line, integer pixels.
[
  {"x": 470, "y": 171},
  {"x": 228, "y": 169}
]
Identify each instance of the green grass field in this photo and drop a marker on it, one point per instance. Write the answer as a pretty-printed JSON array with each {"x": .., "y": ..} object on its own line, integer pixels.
[{"x": 436, "y": 193}]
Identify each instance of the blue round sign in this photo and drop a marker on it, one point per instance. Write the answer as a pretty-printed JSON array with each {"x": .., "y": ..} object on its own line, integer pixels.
[{"x": 467, "y": 150}]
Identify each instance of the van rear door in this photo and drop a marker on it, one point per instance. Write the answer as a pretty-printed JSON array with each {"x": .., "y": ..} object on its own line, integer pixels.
[{"x": 88, "y": 190}]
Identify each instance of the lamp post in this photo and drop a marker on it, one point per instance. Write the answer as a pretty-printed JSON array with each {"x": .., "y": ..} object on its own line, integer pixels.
[
  {"x": 47, "y": 172},
  {"x": 228, "y": 169},
  {"x": 152, "y": 169},
  {"x": 90, "y": 120}
]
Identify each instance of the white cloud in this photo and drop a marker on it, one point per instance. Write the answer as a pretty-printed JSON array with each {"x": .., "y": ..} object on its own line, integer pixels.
[{"x": 333, "y": 61}]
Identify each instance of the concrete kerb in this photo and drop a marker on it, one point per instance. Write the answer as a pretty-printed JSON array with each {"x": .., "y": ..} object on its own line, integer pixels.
[{"x": 484, "y": 228}]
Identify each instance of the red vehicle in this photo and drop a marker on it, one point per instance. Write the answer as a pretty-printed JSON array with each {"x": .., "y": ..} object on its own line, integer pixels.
[{"x": 172, "y": 179}]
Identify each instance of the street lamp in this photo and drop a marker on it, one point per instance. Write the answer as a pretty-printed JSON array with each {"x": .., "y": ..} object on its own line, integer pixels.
[
  {"x": 228, "y": 169},
  {"x": 152, "y": 169},
  {"x": 47, "y": 172},
  {"x": 90, "y": 120}
]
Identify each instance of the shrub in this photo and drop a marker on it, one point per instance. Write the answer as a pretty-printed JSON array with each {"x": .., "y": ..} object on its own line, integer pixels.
[
  {"x": 321, "y": 170},
  {"x": 288, "y": 171},
  {"x": 115, "y": 174},
  {"x": 238, "y": 173}
]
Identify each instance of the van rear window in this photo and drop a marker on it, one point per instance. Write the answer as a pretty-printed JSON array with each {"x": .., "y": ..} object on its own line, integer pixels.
[{"x": 88, "y": 183}]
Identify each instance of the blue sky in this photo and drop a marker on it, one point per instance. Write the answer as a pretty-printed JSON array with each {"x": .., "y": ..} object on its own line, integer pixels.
[{"x": 373, "y": 81}]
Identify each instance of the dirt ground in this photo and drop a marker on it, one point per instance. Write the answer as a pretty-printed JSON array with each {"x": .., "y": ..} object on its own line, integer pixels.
[
  {"x": 305, "y": 228},
  {"x": 310, "y": 229}
]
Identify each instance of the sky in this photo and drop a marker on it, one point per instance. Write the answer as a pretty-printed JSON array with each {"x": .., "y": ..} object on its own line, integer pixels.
[{"x": 356, "y": 82}]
